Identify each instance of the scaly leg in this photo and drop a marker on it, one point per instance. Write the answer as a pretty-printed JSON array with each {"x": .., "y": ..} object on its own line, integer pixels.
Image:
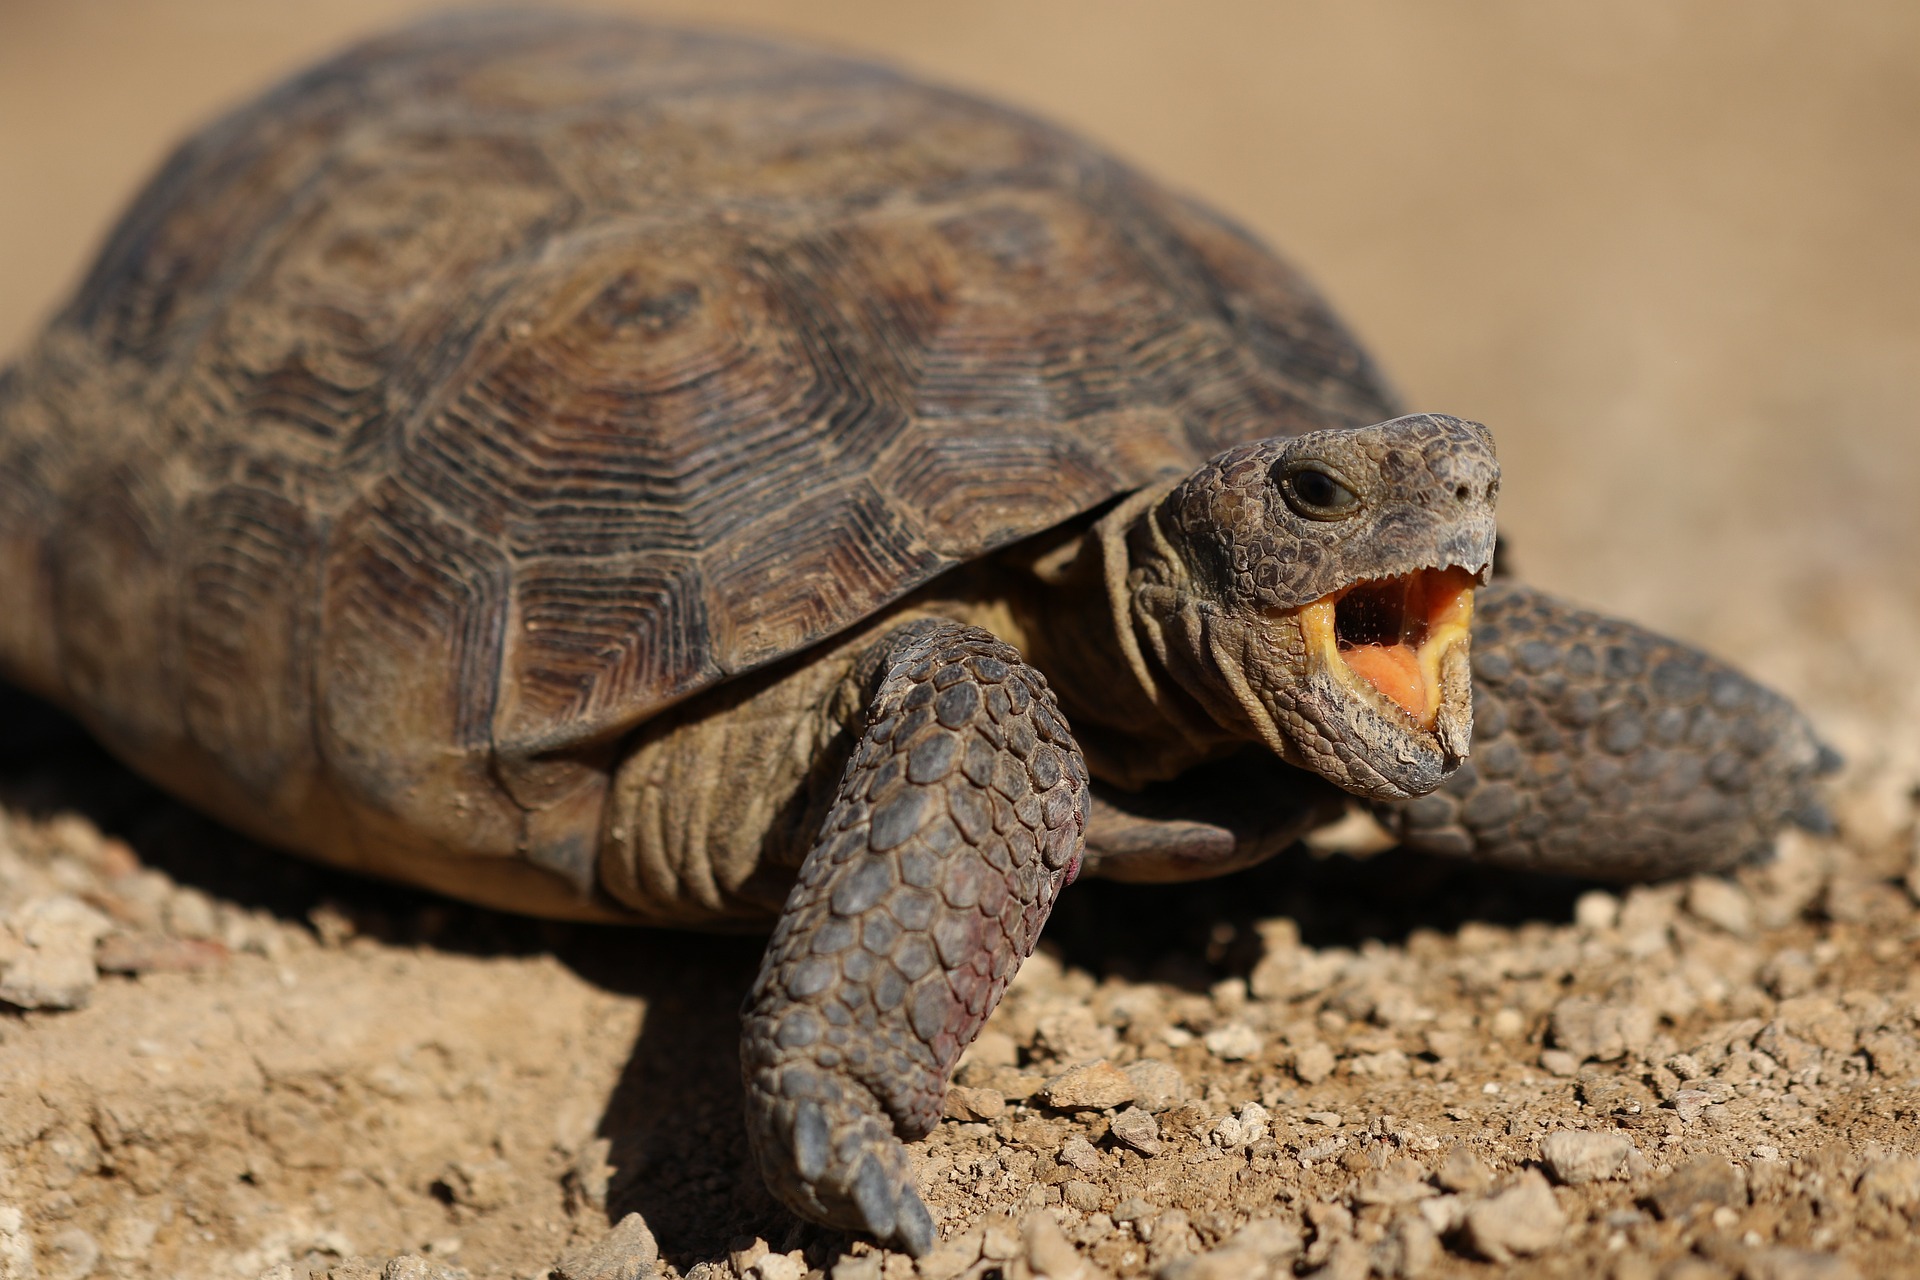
[
  {"x": 1601, "y": 749},
  {"x": 959, "y": 817}
]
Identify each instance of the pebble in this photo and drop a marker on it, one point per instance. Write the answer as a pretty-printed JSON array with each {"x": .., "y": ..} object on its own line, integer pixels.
[
  {"x": 1463, "y": 1171},
  {"x": 1243, "y": 1128},
  {"x": 1313, "y": 1063},
  {"x": 1092, "y": 1086},
  {"x": 16, "y": 1246},
  {"x": 1260, "y": 1250},
  {"x": 1594, "y": 1031},
  {"x": 1049, "y": 1255},
  {"x": 628, "y": 1252},
  {"x": 1157, "y": 1085},
  {"x": 1574, "y": 1157},
  {"x": 1721, "y": 903},
  {"x": 1709, "y": 1182},
  {"x": 1077, "y": 1153},
  {"x": 1796, "y": 1264},
  {"x": 968, "y": 1104},
  {"x": 1522, "y": 1220},
  {"x": 411, "y": 1266},
  {"x": 1234, "y": 1042},
  {"x": 1137, "y": 1129},
  {"x": 52, "y": 967},
  {"x": 781, "y": 1266},
  {"x": 864, "y": 1267}
]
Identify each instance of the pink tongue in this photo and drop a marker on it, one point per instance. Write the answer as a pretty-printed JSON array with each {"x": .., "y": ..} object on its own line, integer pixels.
[{"x": 1392, "y": 669}]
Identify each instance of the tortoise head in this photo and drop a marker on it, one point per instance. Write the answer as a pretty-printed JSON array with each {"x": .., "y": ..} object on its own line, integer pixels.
[{"x": 1314, "y": 593}]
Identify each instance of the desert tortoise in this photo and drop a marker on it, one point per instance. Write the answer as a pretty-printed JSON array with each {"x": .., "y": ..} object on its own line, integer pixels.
[{"x": 623, "y": 473}]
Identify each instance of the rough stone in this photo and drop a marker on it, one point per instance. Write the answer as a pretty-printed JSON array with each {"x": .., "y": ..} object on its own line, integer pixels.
[
  {"x": 1708, "y": 1181},
  {"x": 1092, "y": 1086},
  {"x": 1522, "y": 1220},
  {"x": 52, "y": 966},
  {"x": 1574, "y": 1156},
  {"x": 1796, "y": 1264},
  {"x": 1157, "y": 1085},
  {"x": 628, "y": 1252},
  {"x": 1594, "y": 1031}
]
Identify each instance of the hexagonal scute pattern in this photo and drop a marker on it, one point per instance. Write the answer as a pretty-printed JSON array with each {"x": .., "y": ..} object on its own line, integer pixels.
[{"x": 705, "y": 347}]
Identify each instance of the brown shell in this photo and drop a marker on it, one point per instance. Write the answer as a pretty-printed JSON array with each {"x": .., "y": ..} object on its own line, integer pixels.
[{"x": 489, "y": 388}]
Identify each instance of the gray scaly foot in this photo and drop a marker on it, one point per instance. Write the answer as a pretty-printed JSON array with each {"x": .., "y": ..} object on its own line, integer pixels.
[
  {"x": 958, "y": 819},
  {"x": 1601, "y": 749}
]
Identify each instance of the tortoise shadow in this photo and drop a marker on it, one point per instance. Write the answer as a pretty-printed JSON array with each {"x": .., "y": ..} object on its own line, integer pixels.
[{"x": 674, "y": 1143}]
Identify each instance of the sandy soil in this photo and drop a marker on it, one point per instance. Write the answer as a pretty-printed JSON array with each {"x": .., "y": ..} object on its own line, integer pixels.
[{"x": 1668, "y": 255}]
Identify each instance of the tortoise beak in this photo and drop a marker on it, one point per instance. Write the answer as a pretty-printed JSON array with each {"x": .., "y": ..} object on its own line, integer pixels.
[{"x": 1401, "y": 646}]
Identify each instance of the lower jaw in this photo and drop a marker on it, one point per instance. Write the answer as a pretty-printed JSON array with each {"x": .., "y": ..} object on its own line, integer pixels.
[{"x": 1401, "y": 680}]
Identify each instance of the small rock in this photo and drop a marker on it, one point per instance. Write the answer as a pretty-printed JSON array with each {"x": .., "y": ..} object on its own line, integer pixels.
[
  {"x": 411, "y": 1266},
  {"x": 1889, "y": 1192},
  {"x": 1709, "y": 1182},
  {"x": 1137, "y": 1129},
  {"x": 150, "y": 953},
  {"x": 1594, "y": 1031},
  {"x": 1313, "y": 1063},
  {"x": 479, "y": 1184},
  {"x": 864, "y": 1267},
  {"x": 1463, "y": 1171},
  {"x": 1235, "y": 1042},
  {"x": 1084, "y": 1196},
  {"x": 1721, "y": 903},
  {"x": 1524, "y": 1219},
  {"x": 1092, "y": 1086},
  {"x": 975, "y": 1104},
  {"x": 781, "y": 1266},
  {"x": 53, "y": 967},
  {"x": 1411, "y": 1249},
  {"x": 353, "y": 1269},
  {"x": 1077, "y": 1153},
  {"x": 1574, "y": 1157},
  {"x": 1560, "y": 1062},
  {"x": 16, "y": 1246},
  {"x": 72, "y": 1255},
  {"x": 1796, "y": 1264},
  {"x": 1255, "y": 1252},
  {"x": 1242, "y": 1129},
  {"x": 1156, "y": 1085},
  {"x": 628, "y": 1252},
  {"x": 951, "y": 1258},
  {"x": 1049, "y": 1254},
  {"x": 1596, "y": 909}
]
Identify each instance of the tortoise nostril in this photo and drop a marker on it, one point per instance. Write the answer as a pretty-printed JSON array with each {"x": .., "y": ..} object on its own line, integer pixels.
[{"x": 1462, "y": 493}]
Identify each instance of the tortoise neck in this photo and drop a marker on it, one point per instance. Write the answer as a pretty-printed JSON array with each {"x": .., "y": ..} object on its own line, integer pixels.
[{"x": 1080, "y": 626}]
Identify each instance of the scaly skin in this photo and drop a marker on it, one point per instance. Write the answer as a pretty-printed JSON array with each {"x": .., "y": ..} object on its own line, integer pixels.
[
  {"x": 959, "y": 817},
  {"x": 1601, "y": 749}
]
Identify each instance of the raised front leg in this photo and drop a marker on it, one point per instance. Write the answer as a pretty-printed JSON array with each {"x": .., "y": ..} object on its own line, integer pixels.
[
  {"x": 1601, "y": 749},
  {"x": 959, "y": 817}
]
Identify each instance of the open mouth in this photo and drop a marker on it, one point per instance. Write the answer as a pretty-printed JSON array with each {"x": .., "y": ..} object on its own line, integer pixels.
[{"x": 1388, "y": 636}]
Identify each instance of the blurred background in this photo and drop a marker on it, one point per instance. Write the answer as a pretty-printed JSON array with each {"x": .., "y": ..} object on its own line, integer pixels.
[{"x": 1668, "y": 249}]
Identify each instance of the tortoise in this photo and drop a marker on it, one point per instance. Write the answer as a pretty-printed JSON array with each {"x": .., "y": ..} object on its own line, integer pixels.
[{"x": 626, "y": 473}]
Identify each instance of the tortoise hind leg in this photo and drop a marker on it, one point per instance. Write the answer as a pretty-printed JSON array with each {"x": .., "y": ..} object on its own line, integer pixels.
[
  {"x": 1601, "y": 749},
  {"x": 958, "y": 818}
]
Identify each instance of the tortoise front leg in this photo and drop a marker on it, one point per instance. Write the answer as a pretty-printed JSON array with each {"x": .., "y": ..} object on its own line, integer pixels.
[
  {"x": 1601, "y": 749},
  {"x": 959, "y": 817}
]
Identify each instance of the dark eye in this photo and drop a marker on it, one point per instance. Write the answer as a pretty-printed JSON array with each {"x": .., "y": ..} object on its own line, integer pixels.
[{"x": 1316, "y": 493}]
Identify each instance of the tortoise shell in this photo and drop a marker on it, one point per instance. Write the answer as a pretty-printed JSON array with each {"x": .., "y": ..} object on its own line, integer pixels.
[{"x": 476, "y": 395}]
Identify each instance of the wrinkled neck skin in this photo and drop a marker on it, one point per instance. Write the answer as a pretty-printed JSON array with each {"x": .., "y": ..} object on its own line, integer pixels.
[{"x": 1110, "y": 661}]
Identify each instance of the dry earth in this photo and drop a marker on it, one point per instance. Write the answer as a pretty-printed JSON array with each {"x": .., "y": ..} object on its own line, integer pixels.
[{"x": 1664, "y": 247}]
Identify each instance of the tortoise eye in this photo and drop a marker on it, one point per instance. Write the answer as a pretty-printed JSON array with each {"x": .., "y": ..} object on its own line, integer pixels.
[{"x": 1316, "y": 493}]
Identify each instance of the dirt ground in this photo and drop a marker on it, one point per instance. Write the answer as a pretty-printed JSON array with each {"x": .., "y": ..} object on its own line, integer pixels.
[{"x": 1664, "y": 248}]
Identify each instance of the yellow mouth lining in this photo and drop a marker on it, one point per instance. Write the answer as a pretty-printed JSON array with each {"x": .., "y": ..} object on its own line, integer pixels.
[{"x": 1391, "y": 635}]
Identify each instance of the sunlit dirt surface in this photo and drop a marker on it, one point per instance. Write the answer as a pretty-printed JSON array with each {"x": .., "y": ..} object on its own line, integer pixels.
[{"x": 1665, "y": 250}]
